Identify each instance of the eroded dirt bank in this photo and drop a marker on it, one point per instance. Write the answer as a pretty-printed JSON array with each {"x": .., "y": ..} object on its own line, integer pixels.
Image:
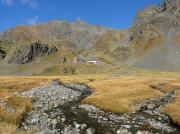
[{"x": 57, "y": 109}]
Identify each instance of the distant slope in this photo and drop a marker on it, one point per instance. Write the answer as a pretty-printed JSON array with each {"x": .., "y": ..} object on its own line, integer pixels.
[{"x": 158, "y": 30}]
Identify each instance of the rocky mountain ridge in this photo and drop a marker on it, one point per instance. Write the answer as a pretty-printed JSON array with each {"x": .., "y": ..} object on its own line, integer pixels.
[{"x": 151, "y": 43}]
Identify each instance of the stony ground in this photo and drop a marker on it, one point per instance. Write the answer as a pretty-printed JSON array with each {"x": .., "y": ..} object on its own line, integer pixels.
[
  {"x": 57, "y": 109},
  {"x": 45, "y": 99},
  {"x": 146, "y": 118}
]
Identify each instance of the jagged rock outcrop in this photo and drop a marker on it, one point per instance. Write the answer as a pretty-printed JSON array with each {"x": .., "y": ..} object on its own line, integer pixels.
[
  {"x": 28, "y": 53},
  {"x": 172, "y": 6},
  {"x": 156, "y": 21},
  {"x": 163, "y": 17},
  {"x": 154, "y": 36},
  {"x": 4, "y": 48},
  {"x": 2, "y": 54}
]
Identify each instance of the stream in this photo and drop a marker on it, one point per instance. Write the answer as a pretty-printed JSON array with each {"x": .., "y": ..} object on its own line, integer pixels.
[{"x": 57, "y": 109}]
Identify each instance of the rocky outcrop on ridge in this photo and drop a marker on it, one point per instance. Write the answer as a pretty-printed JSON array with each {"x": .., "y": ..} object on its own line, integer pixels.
[
  {"x": 2, "y": 54},
  {"x": 28, "y": 53}
]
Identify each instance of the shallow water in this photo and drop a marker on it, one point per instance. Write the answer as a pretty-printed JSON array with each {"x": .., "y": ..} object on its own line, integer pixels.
[{"x": 103, "y": 122}]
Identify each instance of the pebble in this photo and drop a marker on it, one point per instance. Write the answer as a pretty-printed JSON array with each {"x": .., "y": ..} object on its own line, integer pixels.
[
  {"x": 126, "y": 126},
  {"x": 105, "y": 119},
  {"x": 90, "y": 131},
  {"x": 77, "y": 126},
  {"x": 83, "y": 126},
  {"x": 150, "y": 106},
  {"x": 118, "y": 131},
  {"x": 139, "y": 132},
  {"x": 63, "y": 119}
]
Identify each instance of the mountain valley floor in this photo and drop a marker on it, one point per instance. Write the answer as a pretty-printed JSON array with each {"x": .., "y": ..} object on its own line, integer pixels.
[{"x": 111, "y": 92}]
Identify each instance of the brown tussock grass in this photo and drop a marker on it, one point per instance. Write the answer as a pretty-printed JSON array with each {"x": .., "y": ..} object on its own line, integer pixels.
[
  {"x": 118, "y": 94},
  {"x": 173, "y": 109},
  {"x": 21, "y": 105},
  {"x": 165, "y": 87},
  {"x": 6, "y": 128},
  {"x": 112, "y": 93}
]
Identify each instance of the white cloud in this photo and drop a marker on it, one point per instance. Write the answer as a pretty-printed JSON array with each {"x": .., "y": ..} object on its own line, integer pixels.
[
  {"x": 33, "y": 20},
  {"x": 8, "y": 2},
  {"x": 32, "y": 3}
]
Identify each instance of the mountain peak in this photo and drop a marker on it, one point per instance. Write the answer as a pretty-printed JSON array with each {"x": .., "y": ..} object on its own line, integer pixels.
[{"x": 171, "y": 6}]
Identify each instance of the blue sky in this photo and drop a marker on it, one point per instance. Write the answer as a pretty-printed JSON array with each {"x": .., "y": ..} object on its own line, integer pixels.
[{"x": 117, "y": 14}]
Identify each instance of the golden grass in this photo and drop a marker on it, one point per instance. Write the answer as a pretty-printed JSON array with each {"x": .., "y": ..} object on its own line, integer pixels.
[
  {"x": 6, "y": 128},
  {"x": 10, "y": 120},
  {"x": 118, "y": 94},
  {"x": 173, "y": 109},
  {"x": 21, "y": 105},
  {"x": 112, "y": 92}
]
